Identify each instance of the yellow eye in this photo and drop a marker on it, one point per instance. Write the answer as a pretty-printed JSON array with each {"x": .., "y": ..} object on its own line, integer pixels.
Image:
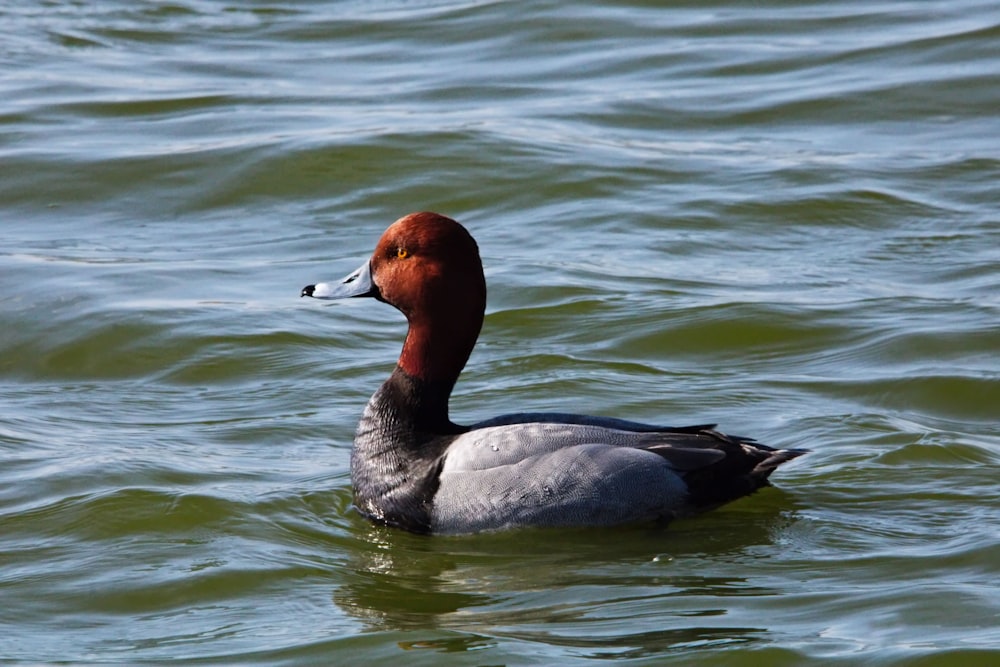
[{"x": 402, "y": 253}]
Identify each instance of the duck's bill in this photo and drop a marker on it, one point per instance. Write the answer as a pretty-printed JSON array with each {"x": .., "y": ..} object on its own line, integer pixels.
[{"x": 358, "y": 283}]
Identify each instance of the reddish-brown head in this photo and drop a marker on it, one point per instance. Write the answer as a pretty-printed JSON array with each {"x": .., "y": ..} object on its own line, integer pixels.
[{"x": 428, "y": 266}]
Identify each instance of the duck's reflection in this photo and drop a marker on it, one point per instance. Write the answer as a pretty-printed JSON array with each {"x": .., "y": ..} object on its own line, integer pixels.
[{"x": 622, "y": 593}]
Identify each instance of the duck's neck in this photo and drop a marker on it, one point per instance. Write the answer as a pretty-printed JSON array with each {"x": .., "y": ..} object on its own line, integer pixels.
[
  {"x": 416, "y": 408},
  {"x": 435, "y": 351}
]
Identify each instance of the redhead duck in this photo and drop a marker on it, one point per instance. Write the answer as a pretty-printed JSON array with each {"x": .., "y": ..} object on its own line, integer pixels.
[{"x": 413, "y": 468}]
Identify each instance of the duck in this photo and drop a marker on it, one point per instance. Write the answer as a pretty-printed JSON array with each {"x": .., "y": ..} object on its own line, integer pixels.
[{"x": 414, "y": 469}]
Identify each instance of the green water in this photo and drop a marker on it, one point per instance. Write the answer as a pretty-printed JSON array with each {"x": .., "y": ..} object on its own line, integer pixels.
[{"x": 781, "y": 217}]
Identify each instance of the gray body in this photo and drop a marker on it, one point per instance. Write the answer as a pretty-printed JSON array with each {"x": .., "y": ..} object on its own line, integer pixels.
[{"x": 544, "y": 469}]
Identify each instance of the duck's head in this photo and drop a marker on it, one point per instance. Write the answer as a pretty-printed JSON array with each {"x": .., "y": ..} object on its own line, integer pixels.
[{"x": 428, "y": 267}]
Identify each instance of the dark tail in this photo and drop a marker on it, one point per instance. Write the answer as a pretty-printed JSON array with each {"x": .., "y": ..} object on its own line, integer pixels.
[{"x": 744, "y": 469}]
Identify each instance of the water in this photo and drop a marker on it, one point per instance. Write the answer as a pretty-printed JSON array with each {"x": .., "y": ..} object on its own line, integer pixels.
[{"x": 781, "y": 217}]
